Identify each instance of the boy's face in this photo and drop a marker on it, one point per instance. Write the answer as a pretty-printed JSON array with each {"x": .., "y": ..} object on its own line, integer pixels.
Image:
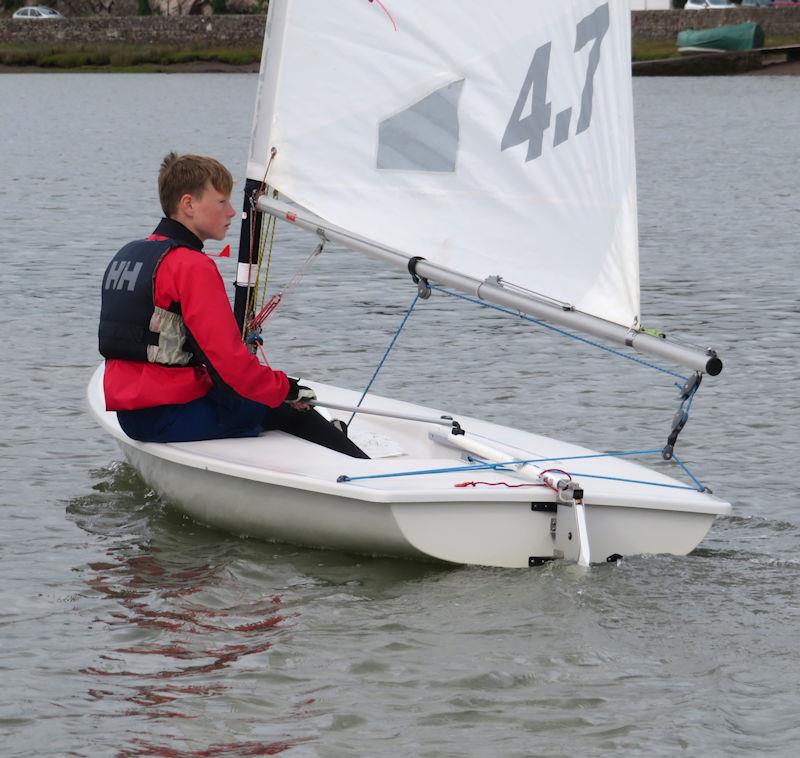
[{"x": 209, "y": 214}]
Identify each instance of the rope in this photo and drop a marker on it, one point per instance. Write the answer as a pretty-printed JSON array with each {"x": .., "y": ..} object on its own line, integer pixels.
[
  {"x": 271, "y": 306},
  {"x": 558, "y": 330},
  {"x": 500, "y": 484},
  {"x": 686, "y": 401},
  {"x": 385, "y": 356},
  {"x": 421, "y": 472},
  {"x": 266, "y": 229},
  {"x": 638, "y": 481},
  {"x": 700, "y": 485},
  {"x": 252, "y": 328},
  {"x": 503, "y": 466},
  {"x": 386, "y": 11},
  {"x": 249, "y": 307}
]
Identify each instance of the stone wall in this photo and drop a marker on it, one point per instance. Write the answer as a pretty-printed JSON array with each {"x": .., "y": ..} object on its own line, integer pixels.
[
  {"x": 72, "y": 8},
  {"x": 247, "y": 30},
  {"x": 174, "y": 31}
]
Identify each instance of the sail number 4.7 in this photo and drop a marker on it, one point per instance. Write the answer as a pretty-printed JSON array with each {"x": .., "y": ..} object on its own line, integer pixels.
[{"x": 531, "y": 128}]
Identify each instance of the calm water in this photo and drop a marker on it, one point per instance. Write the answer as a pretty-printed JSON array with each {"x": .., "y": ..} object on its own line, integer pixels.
[{"x": 129, "y": 631}]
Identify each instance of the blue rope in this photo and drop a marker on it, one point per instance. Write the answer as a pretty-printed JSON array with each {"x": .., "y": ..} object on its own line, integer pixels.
[
  {"x": 635, "y": 481},
  {"x": 688, "y": 473},
  {"x": 558, "y": 330},
  {"x": 385, "y": 356},
  {"x": 503, "y": 466},
  {"x": 421, "y": 472},
  {"x": 687, "y": 402}
]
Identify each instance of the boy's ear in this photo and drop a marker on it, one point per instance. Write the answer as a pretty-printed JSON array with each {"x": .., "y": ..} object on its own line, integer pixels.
[{"x": 186, "y": 204}]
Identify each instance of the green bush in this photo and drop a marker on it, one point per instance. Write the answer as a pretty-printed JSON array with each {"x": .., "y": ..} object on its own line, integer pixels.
[
  {"x": 73, "y": 59},
  {"x": 122, "y": 58},
  {"x": 19, "y": 56},
  {"x": 240, "y": 57}
]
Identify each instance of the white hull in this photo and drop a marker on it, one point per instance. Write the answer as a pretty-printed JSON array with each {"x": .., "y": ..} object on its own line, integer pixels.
[{"x": 280, "y": 488}]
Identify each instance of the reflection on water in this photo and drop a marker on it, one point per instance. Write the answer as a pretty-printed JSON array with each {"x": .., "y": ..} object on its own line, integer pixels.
[
  {"x": 191, "y": 615},
  {"x": 165, "y": 607}
]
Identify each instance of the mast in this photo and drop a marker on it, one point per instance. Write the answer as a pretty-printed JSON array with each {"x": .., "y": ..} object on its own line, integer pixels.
[
  {"x": 492, "y": 291},
  {"x": 243, "y": 285}
]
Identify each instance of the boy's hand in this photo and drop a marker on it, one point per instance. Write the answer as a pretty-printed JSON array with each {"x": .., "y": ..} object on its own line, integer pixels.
[{"x": 299, "y": 396}]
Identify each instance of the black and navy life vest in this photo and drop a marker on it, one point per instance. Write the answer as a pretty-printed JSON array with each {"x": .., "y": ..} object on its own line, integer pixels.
[{"x": 131, "y": 326}]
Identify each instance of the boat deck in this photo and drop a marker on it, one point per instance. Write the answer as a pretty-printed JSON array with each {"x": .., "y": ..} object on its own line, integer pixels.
[{"x": 400, "y": 448}]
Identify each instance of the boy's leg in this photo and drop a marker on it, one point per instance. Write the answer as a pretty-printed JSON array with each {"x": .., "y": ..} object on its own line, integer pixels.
[
  {"x": 214, "y": 416},
  {"x": 220, "y": 415},
  {"x": 312, "y": 426}
]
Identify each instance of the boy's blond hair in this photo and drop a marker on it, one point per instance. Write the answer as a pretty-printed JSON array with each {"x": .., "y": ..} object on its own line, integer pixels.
[{"x": 189, "y": 174}]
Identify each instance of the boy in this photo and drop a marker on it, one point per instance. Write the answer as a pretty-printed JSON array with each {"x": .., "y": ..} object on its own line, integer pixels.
[{"x": 176, "y": 368}]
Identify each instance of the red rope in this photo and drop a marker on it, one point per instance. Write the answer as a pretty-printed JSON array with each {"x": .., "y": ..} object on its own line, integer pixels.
[
  {"x": 498, "y": 484},
  {"x": 554, "y": 471},
  {"x": 386, "y": 11},
  {"x": 265, "y": 312}
]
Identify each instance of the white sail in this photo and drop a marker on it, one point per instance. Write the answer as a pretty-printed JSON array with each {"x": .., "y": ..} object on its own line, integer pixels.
[{"x": 492, "y": 139}]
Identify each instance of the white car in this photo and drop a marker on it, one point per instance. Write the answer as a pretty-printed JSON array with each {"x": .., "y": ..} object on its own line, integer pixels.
[
  {"x": 36, "y": 11},
  {"x": 701, "y": 5}
]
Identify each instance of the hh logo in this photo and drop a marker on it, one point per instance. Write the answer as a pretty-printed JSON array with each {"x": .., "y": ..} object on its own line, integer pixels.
[{"x": 121, "y": 273}]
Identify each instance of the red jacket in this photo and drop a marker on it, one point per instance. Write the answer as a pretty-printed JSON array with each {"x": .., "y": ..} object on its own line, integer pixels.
[{"x": 193, "y": 280}]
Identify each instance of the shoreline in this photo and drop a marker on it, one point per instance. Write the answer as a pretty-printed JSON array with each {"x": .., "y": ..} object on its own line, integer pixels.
[
  {"x": 211, "y": 67},
  {"x": 233, "y": 44},
  {"x": 791, "y": 68},
  {"x": 191, "y": 67}
]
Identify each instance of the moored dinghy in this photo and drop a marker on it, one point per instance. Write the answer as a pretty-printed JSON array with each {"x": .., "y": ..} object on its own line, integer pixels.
[{"x": 489, "y": 151}]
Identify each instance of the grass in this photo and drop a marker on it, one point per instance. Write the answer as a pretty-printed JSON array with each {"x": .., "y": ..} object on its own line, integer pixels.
[
  {"x": 781, "y": 41},
  {"x": 118, "y": 57},
  {"x": 651, "y": 50},
  {"x": 145, "y": 58}
]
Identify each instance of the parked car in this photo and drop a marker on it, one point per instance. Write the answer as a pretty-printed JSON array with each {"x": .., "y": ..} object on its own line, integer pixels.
[
  {"x": 786, "y": 3},
  {"x": 757, "y": 3},
  {"x": 702, "y": 5},
  {"x": 37, "y": 12}
]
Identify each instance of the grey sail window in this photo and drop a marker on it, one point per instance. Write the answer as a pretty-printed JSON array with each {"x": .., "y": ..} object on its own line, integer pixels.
[{"x": 423, "y": 137}]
